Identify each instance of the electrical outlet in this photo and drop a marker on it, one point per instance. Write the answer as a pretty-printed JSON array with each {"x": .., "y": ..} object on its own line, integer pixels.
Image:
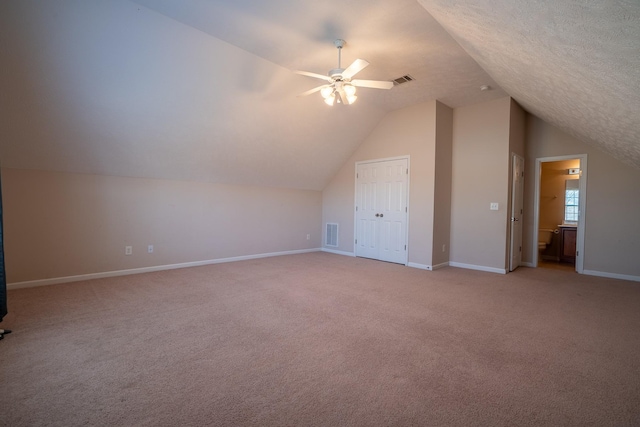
[
  {"x": 150, "y": 249},
  {"x": 493, "y": 206},
  {"x": 444, "y": 248},
  {"x": 308, "y": 236},
  {"x": 128, "y": 250}
]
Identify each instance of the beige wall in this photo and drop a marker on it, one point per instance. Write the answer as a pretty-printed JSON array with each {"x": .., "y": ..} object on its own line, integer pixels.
[
  {"x": 517, "y": 129},
  {"x": 62, "y": 224},
  {"x": 612, "y": 229},
  {"x": 480, "y": 176},
  {"x": 460, "y": 163},
  {"x": 408, "y": 131},
  {"x": 442, "y": 188}
]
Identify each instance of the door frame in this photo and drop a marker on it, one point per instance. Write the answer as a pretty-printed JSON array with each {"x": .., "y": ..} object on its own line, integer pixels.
[
  {"x": 355, "y": 199},
  {"x": 582, "y": 187}
]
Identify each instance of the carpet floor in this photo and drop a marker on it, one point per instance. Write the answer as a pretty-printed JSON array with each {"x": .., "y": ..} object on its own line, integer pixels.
[{"x": 323, "y": 340}]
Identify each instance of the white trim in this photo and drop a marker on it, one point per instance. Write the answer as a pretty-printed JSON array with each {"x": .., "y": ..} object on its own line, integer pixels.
[
  {"x": 478, "y": 267},
  {"x": 427, "y": 267},
  {"x": 81, "y": 277},
  {"x": 420, "y": 266},
  {"x": 385, "y": 159},
  {"x": 583, "y": 209},
  {"x": 441, "y": 265},
  {"x": 612, "y": 275},
  {"x": 332, "y": 251},
  {"x": 527, "y": 264},
  {"x": 582, "y": 215}
]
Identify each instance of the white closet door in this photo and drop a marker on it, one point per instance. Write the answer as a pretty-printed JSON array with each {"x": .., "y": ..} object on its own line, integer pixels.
[{"x": 381, "y": 210}]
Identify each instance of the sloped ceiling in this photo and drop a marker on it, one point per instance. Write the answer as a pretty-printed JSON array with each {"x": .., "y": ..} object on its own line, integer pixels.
[
  {"x": 397, "y": 38},
  {"x": 204, "y": 90},
  {"x": 574, "y": 64}
]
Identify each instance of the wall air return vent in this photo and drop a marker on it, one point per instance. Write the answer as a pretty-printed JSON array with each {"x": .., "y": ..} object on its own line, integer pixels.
[
  {"x": 332, "y": 235},
  {"x": 403, "y": 79}
]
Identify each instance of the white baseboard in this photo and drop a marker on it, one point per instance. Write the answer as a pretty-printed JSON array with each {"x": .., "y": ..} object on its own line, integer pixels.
[
  {"x": 333, "y": 251},
  {"x": 409, "y": 264},
  {"x": 67, "y": 279},
  {"x": 596, "y": 273},
  {"x": 427, "y": 267},
  {"x": 611, "y": 275},
  {"x": 420, "y": 266},
  {"x": 478, "y": 267},
  {"x": 441, "y": 265}
]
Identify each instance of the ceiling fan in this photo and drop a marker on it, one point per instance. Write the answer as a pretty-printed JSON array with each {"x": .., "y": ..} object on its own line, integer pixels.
[{"x": 340, "y": 87}]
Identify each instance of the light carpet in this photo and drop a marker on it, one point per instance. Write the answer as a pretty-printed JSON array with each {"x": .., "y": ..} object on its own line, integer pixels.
[{"x": 323, "y": 340}]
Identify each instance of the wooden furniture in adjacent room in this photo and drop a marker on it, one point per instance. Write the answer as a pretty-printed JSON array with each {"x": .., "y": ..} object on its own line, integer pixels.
[{"x": 568, "y": 244}]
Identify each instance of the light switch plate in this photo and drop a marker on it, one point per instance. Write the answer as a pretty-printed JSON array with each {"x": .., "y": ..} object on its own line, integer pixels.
[{"x": 493, "y": 206}]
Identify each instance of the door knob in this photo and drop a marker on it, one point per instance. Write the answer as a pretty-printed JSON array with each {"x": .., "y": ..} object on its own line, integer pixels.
[
  {"x": 377, "y": 215},
  {"x": 381, "y": 215}
]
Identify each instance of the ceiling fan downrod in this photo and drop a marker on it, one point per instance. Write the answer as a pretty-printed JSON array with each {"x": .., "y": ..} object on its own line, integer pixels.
[{"x": 339, "y": 43}]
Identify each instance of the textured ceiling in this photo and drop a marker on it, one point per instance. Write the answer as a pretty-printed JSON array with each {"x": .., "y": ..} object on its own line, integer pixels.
[
  {"x": 204, "y": 90},
  {"x": 575, "y": 64}
]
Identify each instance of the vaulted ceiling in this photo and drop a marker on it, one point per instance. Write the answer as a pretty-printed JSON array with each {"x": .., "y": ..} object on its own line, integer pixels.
[
  {"x": 204, "y": 90},
  {"x": 574, "y": 64}
]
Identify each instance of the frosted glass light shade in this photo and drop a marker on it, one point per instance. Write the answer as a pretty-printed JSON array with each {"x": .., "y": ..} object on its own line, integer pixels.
[
  {"x": 330, "y": 99},
  {"x": 326, "y": 91},
  {"x": 350, "y": 90}
]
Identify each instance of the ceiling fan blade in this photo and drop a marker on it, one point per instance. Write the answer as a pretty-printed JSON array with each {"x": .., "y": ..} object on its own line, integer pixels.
[
  {"x": 353, "y": 69},
  {"x": 315, "y": 75},
  {"x": 376, "y": 84},
  {"x": 314, "y": 90},
  {"x": 343, "y": 95}
]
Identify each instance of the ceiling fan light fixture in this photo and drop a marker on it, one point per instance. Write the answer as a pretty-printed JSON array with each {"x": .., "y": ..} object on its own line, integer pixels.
[
  {"x": 350, "y": 90},
  {"x": 329, "y": 100},
  {"x": 326, "y": 91},
  {"x": 340, "y": 88}
]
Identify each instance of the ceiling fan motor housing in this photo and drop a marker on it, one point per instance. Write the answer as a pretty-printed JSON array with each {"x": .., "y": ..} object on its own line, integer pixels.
[{"x": 336, "y": 73}]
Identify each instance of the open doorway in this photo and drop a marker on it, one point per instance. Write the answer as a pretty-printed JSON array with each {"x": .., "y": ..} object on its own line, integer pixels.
[{"x": 560, "y": 200}]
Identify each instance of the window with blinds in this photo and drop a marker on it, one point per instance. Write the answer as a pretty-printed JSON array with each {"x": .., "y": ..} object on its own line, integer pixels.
[{"x": 571, "y": 201}]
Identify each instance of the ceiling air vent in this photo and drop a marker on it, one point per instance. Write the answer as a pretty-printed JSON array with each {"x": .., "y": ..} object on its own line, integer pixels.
[{"x": 403, "y": 79}]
